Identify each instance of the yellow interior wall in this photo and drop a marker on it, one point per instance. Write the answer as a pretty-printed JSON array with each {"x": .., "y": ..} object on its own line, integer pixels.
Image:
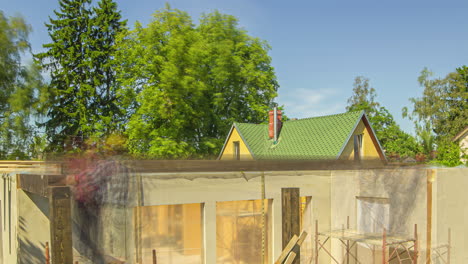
[
  {"x": 192, "y": 221},
  {"x": 228, "y": 152},
  {"x": 163, "y": 224},
  {"x": 369, "y": 149}
]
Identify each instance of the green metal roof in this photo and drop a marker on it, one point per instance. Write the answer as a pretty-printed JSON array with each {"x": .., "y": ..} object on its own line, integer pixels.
[{"x": 321, "y": 137}]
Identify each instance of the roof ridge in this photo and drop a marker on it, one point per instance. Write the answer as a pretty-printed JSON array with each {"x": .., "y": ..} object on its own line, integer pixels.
[
  {"x": 331, "y": 115},
  {"x": 242, "y": 123},
  {"x": 308, "y": 118}
]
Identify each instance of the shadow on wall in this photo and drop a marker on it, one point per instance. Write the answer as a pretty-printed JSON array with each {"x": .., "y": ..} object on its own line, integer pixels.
[
  {"x": 29, "y": 252},
  {"x": 100, "y": 211},
  {"x": 405, "y": 190}
]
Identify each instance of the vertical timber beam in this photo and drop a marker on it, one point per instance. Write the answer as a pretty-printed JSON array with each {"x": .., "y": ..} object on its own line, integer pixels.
[
  {"x": 60, "y": 225},
  {"x": 416, "y": 244},
  {"x": 291, "y": 220},
  {"x": 430, "y": 180}
]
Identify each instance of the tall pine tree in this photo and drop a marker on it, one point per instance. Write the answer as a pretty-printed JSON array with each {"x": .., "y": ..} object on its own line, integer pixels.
[
  {"x": 82, "y": 87},
  {"x": 105, "y": 25}
]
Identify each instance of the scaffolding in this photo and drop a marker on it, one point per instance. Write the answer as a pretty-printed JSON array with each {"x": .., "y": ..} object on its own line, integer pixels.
[
  {"x": 442, "y": 252},
  {"x": 397, "y": 246}
]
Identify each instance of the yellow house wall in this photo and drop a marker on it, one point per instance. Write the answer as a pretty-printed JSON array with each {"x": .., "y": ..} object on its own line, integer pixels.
[
  {"x": 228, "y": 152},
  {"x": 369, "y": 149}
]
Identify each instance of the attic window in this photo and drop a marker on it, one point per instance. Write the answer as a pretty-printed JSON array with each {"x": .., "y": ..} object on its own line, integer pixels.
[
  {"x": 236, "y": 151},
  {"x": 358, "y": 147}
]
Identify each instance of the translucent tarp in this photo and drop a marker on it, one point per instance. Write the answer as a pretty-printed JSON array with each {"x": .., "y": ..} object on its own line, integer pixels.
[
  {"x": 307, "y": 247},
  {"x": 243, "y": 232},
  {"x": 174, "y": 231}
]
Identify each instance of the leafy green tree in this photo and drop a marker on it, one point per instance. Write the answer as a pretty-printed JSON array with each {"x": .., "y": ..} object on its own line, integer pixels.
[
  {"x": 19, "y": 89},
  {"x": 82, "y": 93},
  {"x": 394, "y": 140},
  {"x": 191, "y": 83},
  {"x": 443, "y": 105},
  {"x": 363, "y": 97},
  {"x": 441, "y": 112}
]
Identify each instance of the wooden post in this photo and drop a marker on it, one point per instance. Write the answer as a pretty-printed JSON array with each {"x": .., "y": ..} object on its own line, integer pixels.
[
  {"x": 47, "y": 254},
  {"x": 60, "y": 225},
  {"x": 155, "y": 261},
  {"x": 384, "y": 247},
  {"x": 290, "y": 202},
  {"x": 430, "y": 179},
  {"x": 416, "y": 244}
]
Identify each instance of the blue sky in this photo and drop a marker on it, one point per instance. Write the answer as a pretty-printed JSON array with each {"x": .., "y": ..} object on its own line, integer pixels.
[{"x": 319, "y": 47}]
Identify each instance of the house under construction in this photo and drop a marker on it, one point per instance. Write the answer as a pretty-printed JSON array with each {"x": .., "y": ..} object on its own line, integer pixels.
[{"x": 232, "y": 212}]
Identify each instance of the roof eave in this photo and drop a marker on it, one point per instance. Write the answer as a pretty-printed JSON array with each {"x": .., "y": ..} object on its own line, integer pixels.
[
  {"x": 460, "y": 134},
  {"x": 245, "y": 141},
  {"x": 373, "y": 135},
  {"x": 350, "y": 135},
  {"x": 224, "y": 145},
  {"x": 363, "y": 117}
]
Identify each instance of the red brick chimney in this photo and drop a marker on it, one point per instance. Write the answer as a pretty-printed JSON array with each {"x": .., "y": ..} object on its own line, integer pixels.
[{"x": 274, "y": 124}]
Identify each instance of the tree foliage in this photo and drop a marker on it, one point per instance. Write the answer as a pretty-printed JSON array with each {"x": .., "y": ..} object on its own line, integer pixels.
[
  {"x": 184, "y": 85},
  {"x": 394, "y": 140},
  {"x": 363, "y": 97},
  {"x": 19, "y": 88},
  {"x": 441, "y": 112},
  {"x": 82, "y": 91}
]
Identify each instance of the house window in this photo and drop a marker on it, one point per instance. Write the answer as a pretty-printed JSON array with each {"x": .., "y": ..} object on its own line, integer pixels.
[
  {"x": 373, "y": 214},
  {"x": 358, "y": 147},
  {"x": 236, "y": 151}
]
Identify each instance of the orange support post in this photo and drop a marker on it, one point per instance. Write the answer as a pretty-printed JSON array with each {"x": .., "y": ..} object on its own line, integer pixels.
[
  {"x": 47, "y": 255},
  {"x": 416, "y": 244}
]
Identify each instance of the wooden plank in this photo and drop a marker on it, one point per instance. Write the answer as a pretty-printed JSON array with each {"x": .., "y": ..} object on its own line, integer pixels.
[
  {"x": 301, "y": 239},
  {"x": 152, "y": 166},
  {"x": 60, "y": 225},
  {"x": 290, "y": 202},
  {"x": 36, "y": 167},
  {"x": 290, "y": 258},
  {"x": 287, "y": 249}
]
